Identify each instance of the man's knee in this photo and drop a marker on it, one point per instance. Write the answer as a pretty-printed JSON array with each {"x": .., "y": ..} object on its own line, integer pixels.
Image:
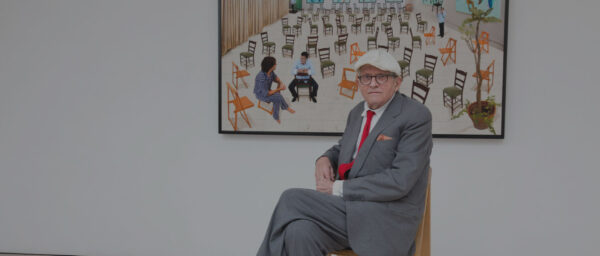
[{"x": 302, "y": 231}]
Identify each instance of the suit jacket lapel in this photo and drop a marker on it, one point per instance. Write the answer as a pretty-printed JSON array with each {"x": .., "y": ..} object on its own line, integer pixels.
[
  {"x": 392, "y": 111},
  {"x": 349, "y": 144}
]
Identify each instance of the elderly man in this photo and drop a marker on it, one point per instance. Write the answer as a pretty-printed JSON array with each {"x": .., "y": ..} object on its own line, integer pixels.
[{"x": 370, "y": 186}]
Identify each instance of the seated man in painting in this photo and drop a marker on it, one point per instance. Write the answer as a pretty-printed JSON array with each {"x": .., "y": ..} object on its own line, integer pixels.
[
  {"x": 371, "y": 185},
  {"x": 303, "y": 71}
]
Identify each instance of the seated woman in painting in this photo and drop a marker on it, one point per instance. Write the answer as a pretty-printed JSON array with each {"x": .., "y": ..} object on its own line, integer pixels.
[{"x": 262, "y": 87}]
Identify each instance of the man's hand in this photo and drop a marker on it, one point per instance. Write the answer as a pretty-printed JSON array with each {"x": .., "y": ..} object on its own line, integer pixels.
[
  {"x": 323, "y": 170},
  {"x": 325, "y": 186}
]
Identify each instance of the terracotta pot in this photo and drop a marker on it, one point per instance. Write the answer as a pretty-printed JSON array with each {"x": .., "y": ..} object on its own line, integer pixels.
[{"x": 478, "y": 121}]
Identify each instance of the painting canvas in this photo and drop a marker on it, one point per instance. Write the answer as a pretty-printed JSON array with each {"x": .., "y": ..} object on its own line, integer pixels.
[{"x": 459, "y": 76}]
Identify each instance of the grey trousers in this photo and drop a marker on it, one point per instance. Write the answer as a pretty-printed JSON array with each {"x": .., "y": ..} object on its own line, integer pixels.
[{"x": 306, "y": 222}]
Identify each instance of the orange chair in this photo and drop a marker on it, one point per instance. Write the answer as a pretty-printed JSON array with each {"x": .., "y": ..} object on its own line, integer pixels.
[
  {"x": 261, "y": 106},
  {"x": 348, "y": 84},
  {"x": 484, "y": 41},
  {"x": 423, "y": 237},
  {"x": 488, "y": 75},
  {"x": 240, "y": 105},
  {"x": 430, "y": 37},
  {"x": 355, "y": 53},
  {"x": 450, "y": 50},
  {"x": 236, "y": 74}
]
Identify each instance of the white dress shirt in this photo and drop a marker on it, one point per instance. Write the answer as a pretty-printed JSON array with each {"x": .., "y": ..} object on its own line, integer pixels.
[{"x": 338, "y": 184}]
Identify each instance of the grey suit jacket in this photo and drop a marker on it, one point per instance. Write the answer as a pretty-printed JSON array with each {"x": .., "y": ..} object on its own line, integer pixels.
[{"x": 385, "y": 189}]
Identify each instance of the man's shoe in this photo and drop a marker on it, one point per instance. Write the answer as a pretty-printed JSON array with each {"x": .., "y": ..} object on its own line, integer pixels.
[
  {"x": 313, "y": 99},
  {"x": 294, "y": 99}
]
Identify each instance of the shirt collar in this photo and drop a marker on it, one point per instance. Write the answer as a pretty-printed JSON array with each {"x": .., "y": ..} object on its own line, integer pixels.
[{"x": 379, "y": 111}]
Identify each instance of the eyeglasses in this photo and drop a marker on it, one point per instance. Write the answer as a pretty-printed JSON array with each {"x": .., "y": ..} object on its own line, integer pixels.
[{"x": 380, "y": 79}]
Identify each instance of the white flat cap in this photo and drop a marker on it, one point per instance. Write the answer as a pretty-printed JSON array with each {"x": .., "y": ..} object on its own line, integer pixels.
[{"x": 379, "y": 59}]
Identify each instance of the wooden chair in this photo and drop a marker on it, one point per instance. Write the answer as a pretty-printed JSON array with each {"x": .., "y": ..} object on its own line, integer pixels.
[
  {"x": 314, "y": 29},
  {"x": 419, "y": 92},
  {"x": 327, "y": 66},
  {"x": 369, "y": 26},
  {"x": 237, "y": 74},
  {"x": 302, "y": 84},
  {"x": 341, "y": 29},
  {"x": 315, "y": 16},
  {"x": 488, "y": 75},
  {"x": 425, "y": 75},
  {"x": 423, "y": 237},
  {"x": 247, "y": 58},
  {"x": 357, "y": 26},
  {"x": 484, "y": 42},
  {"x": 421, "y": 24},
  {"x": 387, "y": 23},
  {"x": 267, "y": 47},
  {"x": 268, "y": 108},
  {"x": 404, "y": 26},
  {"x": 327, "y": 27},
  {"x": 351, "y": 15},
  {"x": 430, "y": 37},
  {"x": 453, "y": 95},
  {"x": 393, "y": 41},
  {"x": 285, "y": 27},
  {"x": 311, "y": 45},
  {"x": 339, "y": 15},
  {"x": 239, "y": 106},
  {"x": 416, "y": 40},
  {"x": 405, "y": 62},
  {"x": 449, "y": 51},
  {"x": 297, "y": 29},
  {"x": 288, "y": 48},
  {"x": 348, "y": 84},
  {"x": 372, "y": 41},
  {"x": 340, "y": 44},
  {"x": 355, "y": 53}
]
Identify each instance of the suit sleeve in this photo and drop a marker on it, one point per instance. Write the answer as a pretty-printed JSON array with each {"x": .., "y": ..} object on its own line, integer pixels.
[{"x": 411, "y": 160}]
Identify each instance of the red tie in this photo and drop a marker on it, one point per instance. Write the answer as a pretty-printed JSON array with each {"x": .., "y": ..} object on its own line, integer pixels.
[{"x": 344, "y": 168}]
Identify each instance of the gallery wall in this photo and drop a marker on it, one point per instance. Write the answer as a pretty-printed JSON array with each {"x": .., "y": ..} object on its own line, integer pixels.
[{"x": 109, "y": 144}]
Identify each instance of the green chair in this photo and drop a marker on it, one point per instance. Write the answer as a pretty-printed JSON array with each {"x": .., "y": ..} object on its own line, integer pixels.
[
  {"x": 425, "y": 75},
  {"x": 453, "y": 95},
  {"x": 405, "y": 62},
  {"x": 268, "y": 47},
  {"x": 372, "y": 41},
  {"x": 327, "y": 66},
  {"x": 247, "y": 58},
  {"x": 288, "y": 48},
  {"x": 393, "y": 41},
  {"x": 421, "y": 24},
  {"x": 416, "y": 40}
]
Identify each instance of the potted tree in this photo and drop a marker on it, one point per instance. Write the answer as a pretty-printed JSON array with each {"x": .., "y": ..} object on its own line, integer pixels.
[{"x": 481, "y": 111}]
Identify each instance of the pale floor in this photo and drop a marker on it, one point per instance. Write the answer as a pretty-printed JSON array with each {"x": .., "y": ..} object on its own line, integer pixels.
[{"x": 329, "y": 114}]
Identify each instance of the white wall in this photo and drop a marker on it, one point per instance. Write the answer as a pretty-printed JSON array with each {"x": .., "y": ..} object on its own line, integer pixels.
[{"x": 109, "y": 146}]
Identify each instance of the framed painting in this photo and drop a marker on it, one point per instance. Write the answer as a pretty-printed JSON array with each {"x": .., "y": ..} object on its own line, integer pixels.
[{"x": 287, "y": 67}]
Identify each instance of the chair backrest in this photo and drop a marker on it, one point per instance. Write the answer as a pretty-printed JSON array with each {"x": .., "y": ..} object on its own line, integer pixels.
[
  {"x": 485, "y": 36},
  {"x": 419, "y": 92},
  {"x": 389, "y": 18},
  {"x": 284, "y": 21},
  {"x": 430, "y": 62},
  {"x": 345, "y": 76},
  {"x": 313, "y": 40},
  {"x": 299, "y": 20},
  {"x": 343, "y": 38},
  {"x": 432, "y": 31},
  {"x": 289, "y": 39},
  {"x": 338, "y": 22},
  {"x": 491, "y": 66},
  {"x": 354, "y": 48},
  {"x": 358, "y": 21},
  {"x": 325, "y": 19},
  {"x": 389, "y": 32},
  {"x": 418, "y": 15},
  {"x": 459, "y": 78},
  {"x": 236, "y": 97},
  {"x": 324, "y": 54},
  {"x": 407, "y": 54},
  {"x": 264, "y": 36},
  {"x": 251, "y": 46},
  {"x": 451, "y": 44}
]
